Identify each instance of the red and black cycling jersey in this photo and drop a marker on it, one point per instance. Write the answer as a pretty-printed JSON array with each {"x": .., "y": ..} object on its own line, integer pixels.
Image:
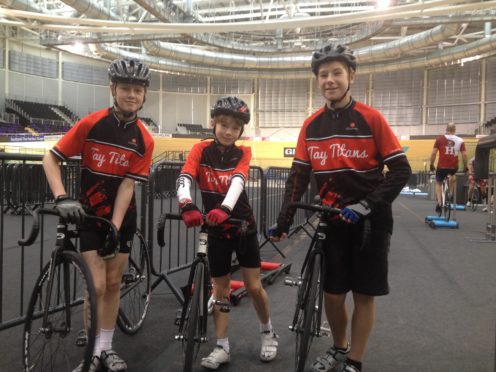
[
  {"x": 347, "y": 149},
  {"x": 110, "y": 151},
  {"x": 213, "y": 171}
]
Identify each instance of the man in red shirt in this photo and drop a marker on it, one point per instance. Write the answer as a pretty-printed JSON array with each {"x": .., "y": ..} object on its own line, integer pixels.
[{"x": 449, "y": 146}]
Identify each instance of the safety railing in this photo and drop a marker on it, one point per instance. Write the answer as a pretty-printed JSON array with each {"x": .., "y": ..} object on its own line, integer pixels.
[{"x": 23, "y": 186}]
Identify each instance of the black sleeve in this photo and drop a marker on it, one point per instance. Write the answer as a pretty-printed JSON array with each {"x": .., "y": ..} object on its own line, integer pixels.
[
  {"x": 296, "y": 185},
  {"x": 395, "y": 179}
]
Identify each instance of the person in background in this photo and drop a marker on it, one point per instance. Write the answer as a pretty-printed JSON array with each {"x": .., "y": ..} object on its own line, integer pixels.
[
  {"x": 449, "y": 147},
  {"x": 472, "y": 181}
]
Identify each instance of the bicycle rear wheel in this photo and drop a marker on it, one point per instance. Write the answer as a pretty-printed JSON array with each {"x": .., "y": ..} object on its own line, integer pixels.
[
  {"x": 135, "y": 288},
  {"x": 447, "y": 205},
  {"x": 307, "y": 322},
  {"x": 51, "y": 346}
]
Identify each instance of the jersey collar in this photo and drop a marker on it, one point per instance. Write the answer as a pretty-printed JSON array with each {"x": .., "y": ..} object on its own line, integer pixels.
[{"x": 122, "y": 123}]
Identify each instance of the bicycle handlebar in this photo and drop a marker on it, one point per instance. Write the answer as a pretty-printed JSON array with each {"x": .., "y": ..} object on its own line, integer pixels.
[
  {"x": 367, "y": 227},
  {"x": 35, "y": 228},
  {"x": 172, "y": 216},
  {"x": 315, "y": 207}
]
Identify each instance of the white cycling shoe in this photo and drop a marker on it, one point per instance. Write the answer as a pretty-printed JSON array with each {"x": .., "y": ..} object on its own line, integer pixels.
[
  {"x": 268, "y": 351},
  {"x": 216, "y": 358}
]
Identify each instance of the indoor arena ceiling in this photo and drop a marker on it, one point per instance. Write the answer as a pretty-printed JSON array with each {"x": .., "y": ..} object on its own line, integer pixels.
[{"x": 262, "y": 38}]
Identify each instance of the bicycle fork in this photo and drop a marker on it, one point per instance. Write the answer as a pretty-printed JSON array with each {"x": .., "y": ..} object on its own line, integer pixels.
[{"x": 303, "y": 282}]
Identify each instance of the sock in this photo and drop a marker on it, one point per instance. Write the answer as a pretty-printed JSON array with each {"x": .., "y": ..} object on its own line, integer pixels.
[
  {"x": 224, "y": 343},
  {"x": 106, "y": 336},
  {"x": 266, "y": 327},
  {"x": 97, "y": 350},
  {"x": 342, "y": 350},
  {"x": 354, "y": 363}
]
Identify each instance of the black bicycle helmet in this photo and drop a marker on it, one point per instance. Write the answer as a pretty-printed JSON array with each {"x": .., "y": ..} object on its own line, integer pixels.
[
  {"x": 231, "y": 106},
  {"x": 333, "y": 53},
  {"x": 130, "y": 71}
]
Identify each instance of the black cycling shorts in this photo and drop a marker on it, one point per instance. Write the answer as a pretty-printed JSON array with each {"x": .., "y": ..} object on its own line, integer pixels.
[
  {"x": 442, "y": 173},
  {"x": 220, "y": 254},
  {"x": 349, "y": 266},
  {"x": 92, "y": 240}
]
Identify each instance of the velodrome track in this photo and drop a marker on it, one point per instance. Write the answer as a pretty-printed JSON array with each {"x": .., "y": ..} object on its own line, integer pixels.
[{"x": 440, "y": 315}]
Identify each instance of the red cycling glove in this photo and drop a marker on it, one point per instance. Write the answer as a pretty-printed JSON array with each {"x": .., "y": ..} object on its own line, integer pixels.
[
  {"x": 217, "y": 216},
  {"x": 191, "y": 215}
]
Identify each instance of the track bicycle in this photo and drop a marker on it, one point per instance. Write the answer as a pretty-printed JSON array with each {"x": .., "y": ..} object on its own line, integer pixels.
[
  {"x": 476, "y": 197},
  {"x": 194, "y": 314},
  {"x": 307, "y": 319},
  {"x": 54, "y": 311}
]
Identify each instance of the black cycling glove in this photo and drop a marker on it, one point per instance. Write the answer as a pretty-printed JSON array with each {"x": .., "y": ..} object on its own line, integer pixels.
[
  {"x": 110, "y": 246},
  {"x": 277, "y": 230},
  {"x": 69, "y": 209}
]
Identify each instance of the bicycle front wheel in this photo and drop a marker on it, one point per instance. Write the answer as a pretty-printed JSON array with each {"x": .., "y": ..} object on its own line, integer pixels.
[
  {"x": 135, "y": 288},
  {"x": 55, "y": 313},
  {"x": 193, "y": 322},
  {"x": 307, "y": 323}
]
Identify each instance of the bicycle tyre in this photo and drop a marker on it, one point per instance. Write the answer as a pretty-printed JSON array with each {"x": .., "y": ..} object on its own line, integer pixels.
[
  {"x": 192, "y": 328},
  {"x": 447, "y": 205},
  {"x": 54, "y": 350},
  {"x": 305, "y": 333},
  {"x": 474, "y": 200},
  {"x": 135, "y": 288}
]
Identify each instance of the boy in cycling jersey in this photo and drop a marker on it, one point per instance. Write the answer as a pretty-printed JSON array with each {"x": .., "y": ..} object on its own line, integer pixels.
[
  {"x": 346, "y": 144},
  {"x": 449, "y": 146},
  {"x": 116, "y": 151},
  {"x": 221, "y": 169}
]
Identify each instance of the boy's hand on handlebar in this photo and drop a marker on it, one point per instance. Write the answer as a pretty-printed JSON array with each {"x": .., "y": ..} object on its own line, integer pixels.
[
  {"x": 278, "y": 233},
  {"x": 432, "y": 168},
  {"x": 191, "y": 215},
  {"x": 69, "y": 209},
  {"x": 354, "y": 212},
  {"x": 217, "y": 216}
]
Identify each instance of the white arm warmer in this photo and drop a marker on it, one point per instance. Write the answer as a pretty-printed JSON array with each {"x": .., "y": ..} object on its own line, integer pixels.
[
  {"x": 183, "y": 189},
  {"x": 232, "y": 196}
]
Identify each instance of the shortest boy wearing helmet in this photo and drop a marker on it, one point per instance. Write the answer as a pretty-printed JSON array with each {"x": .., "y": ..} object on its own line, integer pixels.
[
  {"x": 116, "y": 151},
  {"x": 220, "y": 169},
  {"x": 346, "y": 145}
]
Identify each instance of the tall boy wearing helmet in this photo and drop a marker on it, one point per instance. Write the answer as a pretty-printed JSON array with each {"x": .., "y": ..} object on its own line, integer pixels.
[
  {"x": 116, "y": 151},
  {"x": 221, "y": 170},
  {"x": 347, "y": 144}
]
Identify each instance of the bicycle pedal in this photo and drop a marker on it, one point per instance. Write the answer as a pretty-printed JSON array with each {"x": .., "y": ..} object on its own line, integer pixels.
[
  {"x": 225, "y": 306},
  {"x": 128, "y": 278},
  {"x": 291, "y": 282},
  {"x": 81, "y": 339},
  {"x": 177, "y": 320}
]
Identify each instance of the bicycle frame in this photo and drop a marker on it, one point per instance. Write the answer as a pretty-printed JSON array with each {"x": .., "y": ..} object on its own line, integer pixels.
[
  {"x": 201, "y": 259},
  {"x": 63, "y": 243}
]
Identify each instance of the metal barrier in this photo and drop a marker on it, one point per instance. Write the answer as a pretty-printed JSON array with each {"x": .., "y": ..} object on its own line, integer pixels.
[{"x": 23, "y": 186}]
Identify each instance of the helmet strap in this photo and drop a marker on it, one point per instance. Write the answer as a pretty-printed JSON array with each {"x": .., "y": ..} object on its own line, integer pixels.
[
  {"x": 336, "y": 101},
  {"x": 127, "y": 115}
]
